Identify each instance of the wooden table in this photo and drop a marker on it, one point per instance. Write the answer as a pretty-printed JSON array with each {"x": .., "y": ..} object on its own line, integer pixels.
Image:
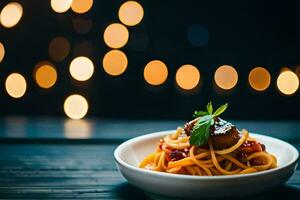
[{"x": 50, "y": 158}]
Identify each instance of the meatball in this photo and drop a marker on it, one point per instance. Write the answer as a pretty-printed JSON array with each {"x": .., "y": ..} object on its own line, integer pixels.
[
  {"x": 223, "y": 134},
  {"x": 188, "y": 127}
]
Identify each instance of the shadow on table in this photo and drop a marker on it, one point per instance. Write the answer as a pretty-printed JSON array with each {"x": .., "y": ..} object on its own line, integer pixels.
[
  {"x": 283, "y": 192},
  {"x": 129, "y": 192}
]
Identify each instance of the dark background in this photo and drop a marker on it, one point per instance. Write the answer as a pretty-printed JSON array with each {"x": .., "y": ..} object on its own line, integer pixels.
[{"x": 244, "y": 34}]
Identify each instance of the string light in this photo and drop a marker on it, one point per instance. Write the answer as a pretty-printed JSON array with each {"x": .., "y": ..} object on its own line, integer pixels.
[
  {"x": 61, "y": 6},
  {"x": 288, "y": 82},
  {"x": 259, "y": 78},
  {"x": 81, "y": 6},
  {"x": 76, "y": 106},
  {"x": 116, "y": 35},
  {"x": 81, "y": 68},
  {"x": 155, "y": 72},
  {"x": 11, "y": 14},
  {"x": 45, "y": 75},
  {"x": 115, "y": 62},
  {"x": 187, "y": 77},
  {"x": 15, "y": 85},
  {"x": 131, "y": 13},
  {"x": 2, "y": 52},
  {"x": 226, "y": 77},
  {"x": 59, "y": 48}
]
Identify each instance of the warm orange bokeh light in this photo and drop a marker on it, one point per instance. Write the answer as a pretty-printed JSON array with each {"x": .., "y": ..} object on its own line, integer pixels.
[
  {"x": 131, "y": 13},
  {"x": 155, "y": 72},
  {"x": 76, "y": 106},
  {"x": 115, "y": 62},
  {"x": 59, "y": 48},
  {"x": 226, "y": 77},
  {"x": 81, "y": 68},
  {"x": 288, "y": 82},
  {"x": 45, "y": 75},
  {"x": 15, "y": 85},
  {"x": 116, "y": 35},
  {"x": 187, "y": 77},
  {"x": 61, "y": 6},
  {"x": 11, "y": 14},
  {"x": 259, "y": 78},
  {"x": 81, "y": 6},
  {"x": 2, "y": 52}
]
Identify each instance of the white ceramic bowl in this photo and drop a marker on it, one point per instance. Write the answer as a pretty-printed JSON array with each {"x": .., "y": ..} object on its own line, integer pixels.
[{"x": 129, "y": 154}]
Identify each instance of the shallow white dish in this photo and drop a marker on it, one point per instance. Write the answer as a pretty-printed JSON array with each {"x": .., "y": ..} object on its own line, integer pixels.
[{"x": 129, "y": 154}]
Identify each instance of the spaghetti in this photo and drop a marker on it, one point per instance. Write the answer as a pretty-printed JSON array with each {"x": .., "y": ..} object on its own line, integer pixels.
[{"x": 174, "y": 154}]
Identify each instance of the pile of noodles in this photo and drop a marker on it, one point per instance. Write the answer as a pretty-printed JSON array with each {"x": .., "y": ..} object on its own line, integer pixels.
[{"x": 206, "y": 160}]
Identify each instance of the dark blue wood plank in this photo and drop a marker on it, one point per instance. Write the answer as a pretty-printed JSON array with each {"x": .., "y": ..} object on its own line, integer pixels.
[
  {"x": 119, "y": 130},
  {"x": 24, "y": 127},
  {"x": 64, "y": 159},
  {"x": 78, "y": 172}
]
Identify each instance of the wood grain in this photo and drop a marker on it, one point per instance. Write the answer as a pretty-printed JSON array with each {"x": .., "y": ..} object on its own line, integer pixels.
[
  {"x": 71, "y": 172},
  {"x": 46, "y": 167}
]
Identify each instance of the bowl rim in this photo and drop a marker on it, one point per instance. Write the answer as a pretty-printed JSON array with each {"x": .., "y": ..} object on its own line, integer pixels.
[{"x": 120, "y": 147}]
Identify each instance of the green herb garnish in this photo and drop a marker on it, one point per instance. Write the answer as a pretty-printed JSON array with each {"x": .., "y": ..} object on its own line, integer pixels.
[{"x": 201, "y": 129}]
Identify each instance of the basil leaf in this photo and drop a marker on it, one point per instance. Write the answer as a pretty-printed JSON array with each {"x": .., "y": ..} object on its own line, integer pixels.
[
  {"x": 209, "y": 108},
  {"x": 220, "y": 110},
  {"x": 200, "y": 113},
  {"x": 201, "y": 131},
  {"x": 205, "y": 118}
]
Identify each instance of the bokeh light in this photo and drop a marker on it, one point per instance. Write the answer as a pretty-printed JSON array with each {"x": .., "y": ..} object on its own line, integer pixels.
[
  {"x": 198, "y": 35},
  {"x": 131, "y": 13},
  {"x": 2, "y": 52},
  {"x": 77, "y": 129},
  {"x": 15, "y": 85},
  {"x": 45, "y": 74},
  {"x": 61, "y": 6},
  {"x": 81, "y": 6},
  {"x": 259, "y": 78},
  {"x": 115, "y": 62},
  {"x": 155, "y": 72},
  {"x": 59, "y": 48},
  {"x": 81, "y": 68},
  {"x": 287, "y": 82},
  {"x": 11, "y": 14},
  {"x": 187, "y": 77},
  {"x": 226, "y": 77},
  {"x": 76, "y": 106},
  {"x": 116, "y": 35}
]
